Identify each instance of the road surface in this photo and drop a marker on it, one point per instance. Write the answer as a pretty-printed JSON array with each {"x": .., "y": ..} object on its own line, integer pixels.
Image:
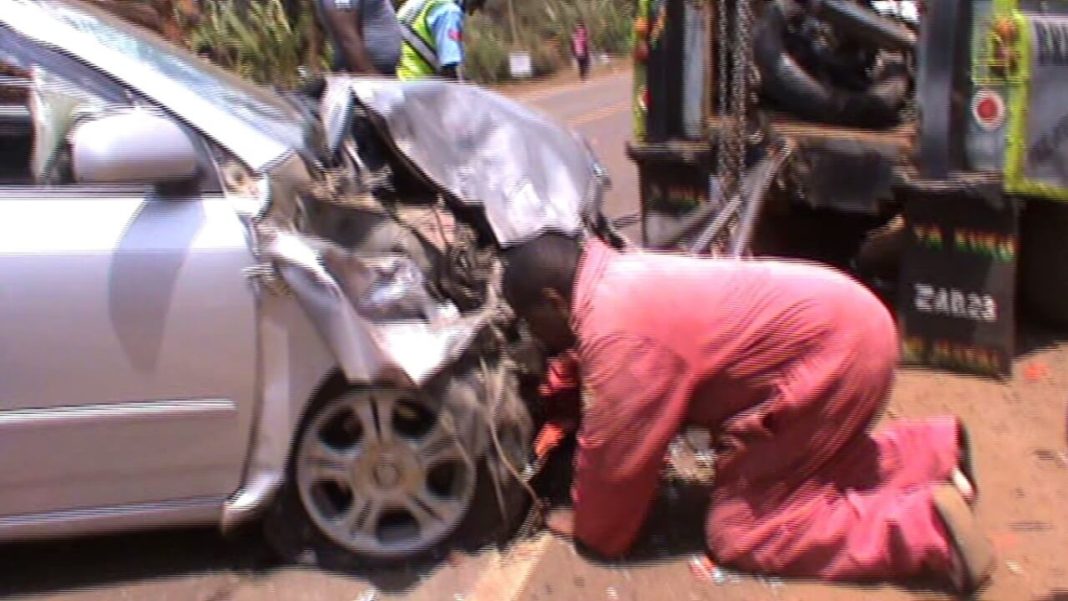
[
  {"x": 1017, "y": 430},
  {"x": 601, "y": 110}
]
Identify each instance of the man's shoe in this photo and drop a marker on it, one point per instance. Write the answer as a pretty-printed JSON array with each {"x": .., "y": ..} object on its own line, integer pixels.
[
  {"x": 966, "y": 465},
  {"x": 973, "y": 557}
]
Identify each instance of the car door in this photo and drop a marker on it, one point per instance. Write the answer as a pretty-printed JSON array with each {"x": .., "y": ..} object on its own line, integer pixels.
[{"x": 127, "y": 338}]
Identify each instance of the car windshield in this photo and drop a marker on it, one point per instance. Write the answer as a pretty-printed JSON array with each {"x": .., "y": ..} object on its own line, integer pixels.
[{"x": 257, "y": 106}]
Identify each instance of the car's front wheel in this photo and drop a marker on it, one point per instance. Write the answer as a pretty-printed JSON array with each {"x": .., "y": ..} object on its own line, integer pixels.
[{"x": 384, "y": 475}]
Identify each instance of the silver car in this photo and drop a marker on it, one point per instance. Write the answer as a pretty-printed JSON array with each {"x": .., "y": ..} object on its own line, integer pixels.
[{"x": 219, "y": 303}]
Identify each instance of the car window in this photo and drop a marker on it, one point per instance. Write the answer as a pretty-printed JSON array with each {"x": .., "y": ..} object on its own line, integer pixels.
[
  {"x": 254, "y": 105},
  {"x": 41, "y": 100},
  {"x": 16, "y": 125}
]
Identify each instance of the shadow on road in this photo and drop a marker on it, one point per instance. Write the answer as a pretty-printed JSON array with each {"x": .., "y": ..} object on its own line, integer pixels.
[
  {"x": 1032, "y": 337},
  {"x": 34, "y": 568},
  {"x": 111, "y": 562}
]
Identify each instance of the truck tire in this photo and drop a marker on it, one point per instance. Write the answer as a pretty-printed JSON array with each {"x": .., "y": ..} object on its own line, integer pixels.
[
  {"x": 788, "y": 84},
  {"x": 1044, "y": 261}
]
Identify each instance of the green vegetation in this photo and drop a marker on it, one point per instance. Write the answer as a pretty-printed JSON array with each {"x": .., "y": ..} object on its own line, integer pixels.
[
  {"x": 258, "y": 40},
  {"x": 544, "y": 29},
  {"x": 269, "y": 41}
]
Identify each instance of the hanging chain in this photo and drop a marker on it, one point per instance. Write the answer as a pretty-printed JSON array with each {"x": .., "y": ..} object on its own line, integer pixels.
[
  {"x": 739, "y": 91},
  {"x": 734, "y": 72},
  {"x": 722, "y": 110}
]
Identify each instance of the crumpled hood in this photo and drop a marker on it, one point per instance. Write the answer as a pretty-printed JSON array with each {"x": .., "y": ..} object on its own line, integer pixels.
[{"x": 478, "y": 148}]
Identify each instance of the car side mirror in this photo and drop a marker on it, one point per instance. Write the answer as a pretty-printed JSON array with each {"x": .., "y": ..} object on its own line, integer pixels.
[{"x": 135, "y": 146}]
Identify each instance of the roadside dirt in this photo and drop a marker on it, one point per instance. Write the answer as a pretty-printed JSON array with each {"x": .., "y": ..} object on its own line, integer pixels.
[
  {"x": 1018, "y": 431},
  {"x": 562, "y": 79}
]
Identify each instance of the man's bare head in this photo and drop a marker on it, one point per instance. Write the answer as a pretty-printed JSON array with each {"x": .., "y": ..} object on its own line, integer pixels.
[{"x": 539, "y": 280}]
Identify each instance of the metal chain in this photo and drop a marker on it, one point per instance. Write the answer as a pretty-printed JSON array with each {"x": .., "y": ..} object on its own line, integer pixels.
[
  {"x": 740, "y": 91},
  {"x": 733, "y": 66},
  {"x": 722, "y": 109}
]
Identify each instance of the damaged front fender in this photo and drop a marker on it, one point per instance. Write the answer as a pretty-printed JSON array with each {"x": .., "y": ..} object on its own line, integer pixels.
[{"x": 342, "y": 302}]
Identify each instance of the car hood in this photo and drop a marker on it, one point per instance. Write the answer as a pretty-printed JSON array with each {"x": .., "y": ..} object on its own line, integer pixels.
[{"x": 528, "y": 173}]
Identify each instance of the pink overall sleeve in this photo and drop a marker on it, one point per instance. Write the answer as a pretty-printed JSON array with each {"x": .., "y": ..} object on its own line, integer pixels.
[{"x": 639, "y": 400}]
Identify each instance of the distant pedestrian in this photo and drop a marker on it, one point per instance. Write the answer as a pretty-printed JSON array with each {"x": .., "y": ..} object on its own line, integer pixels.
[
  {"x": 580, "y": 47},
  {"x": 365, "y": 35}
]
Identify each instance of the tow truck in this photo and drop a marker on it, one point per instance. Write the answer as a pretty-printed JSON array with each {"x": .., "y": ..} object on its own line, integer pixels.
[{"x": 920, "y": 147}]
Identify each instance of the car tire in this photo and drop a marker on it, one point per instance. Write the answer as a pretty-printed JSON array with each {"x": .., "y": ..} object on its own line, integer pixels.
[{"x": 299, "y": 527}]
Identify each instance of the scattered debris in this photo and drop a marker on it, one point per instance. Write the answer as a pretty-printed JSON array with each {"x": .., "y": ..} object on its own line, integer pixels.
[
  {"x": 1030, "y": 526},
  {"x": 1036, "y": 371},
  {"x": 1004, "y": 540},
  {"x": 368, "y": 595},
  {"x": 718, "y": 576},
  {"x": 1014, "y": 567},
  {"x": 701, "y": 567},
  {"x": 1060, "y": 458},
  {"x": 612, "y": 593},
  {"x": 691, "y": 459},
  {"x": 771, "y": 581}
]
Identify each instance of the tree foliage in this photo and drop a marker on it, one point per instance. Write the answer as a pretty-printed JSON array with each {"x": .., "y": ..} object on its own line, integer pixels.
[
  {"x": 544, "y": 29},
  {"x": 271, "y": 41}
]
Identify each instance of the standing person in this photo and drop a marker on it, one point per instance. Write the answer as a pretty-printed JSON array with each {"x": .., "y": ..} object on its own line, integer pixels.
[
  {"x": 580, "y": 47},
  {"x": 787, "y": 364},
  {"x": 433, "y": 37},
  {"x": 364, "y": 33}
]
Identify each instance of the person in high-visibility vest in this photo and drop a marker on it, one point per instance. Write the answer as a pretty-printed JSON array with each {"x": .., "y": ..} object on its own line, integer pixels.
[{"x": 433, "y": 37}]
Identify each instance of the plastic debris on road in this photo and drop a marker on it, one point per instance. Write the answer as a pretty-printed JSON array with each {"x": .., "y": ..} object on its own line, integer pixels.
[
  {"x": 1030, "y": 526},
  {"x": 1036, "y": 371},
  {"x": 368, "y": 595},
  {"x": 701, "y": 567},
  {"x": 706, "y": 570}
]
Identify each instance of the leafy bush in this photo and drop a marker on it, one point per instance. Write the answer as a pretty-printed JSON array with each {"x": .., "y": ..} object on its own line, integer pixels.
[
  {"x": 260, "y": 41},
  {"x": 544, "y": 29},
  {"x": 257, "y": 39},
  {"x": 486, "y": 52}
]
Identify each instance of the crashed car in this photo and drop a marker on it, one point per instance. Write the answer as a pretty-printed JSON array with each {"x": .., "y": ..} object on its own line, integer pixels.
[{"x": 222, "y": 302}]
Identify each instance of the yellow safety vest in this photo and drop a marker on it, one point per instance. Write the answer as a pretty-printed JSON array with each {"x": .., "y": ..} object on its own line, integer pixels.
[{"x": 419, "y": 56}]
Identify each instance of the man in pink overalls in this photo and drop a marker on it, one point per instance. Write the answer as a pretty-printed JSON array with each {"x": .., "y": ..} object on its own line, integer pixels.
[{"x": 788, "y": 364}]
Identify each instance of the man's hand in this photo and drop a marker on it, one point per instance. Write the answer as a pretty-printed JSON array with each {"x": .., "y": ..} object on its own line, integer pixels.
[
  {"x": 561, "y": 522},
  {"x": 551, "y": 435}
]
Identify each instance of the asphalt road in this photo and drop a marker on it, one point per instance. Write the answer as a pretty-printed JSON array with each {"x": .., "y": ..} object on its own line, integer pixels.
[
  {"x": 198, "y": 564},
  {"x": 600, "y": 109}
]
